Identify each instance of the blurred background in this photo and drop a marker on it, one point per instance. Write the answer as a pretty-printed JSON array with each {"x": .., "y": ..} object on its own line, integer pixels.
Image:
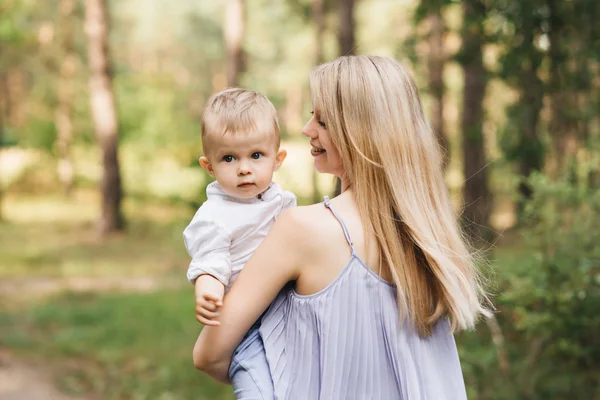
[{"x": 100, "y": 106}]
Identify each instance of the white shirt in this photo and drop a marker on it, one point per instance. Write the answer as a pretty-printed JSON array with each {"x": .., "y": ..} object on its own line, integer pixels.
[{"x": 226, "y": 230}]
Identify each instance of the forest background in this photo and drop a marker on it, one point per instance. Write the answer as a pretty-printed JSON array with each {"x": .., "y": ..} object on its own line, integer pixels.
[{"x": 100, "y": 105}]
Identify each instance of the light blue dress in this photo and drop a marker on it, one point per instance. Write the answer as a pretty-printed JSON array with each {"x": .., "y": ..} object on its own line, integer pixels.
[{"x": 347, "y": 342}]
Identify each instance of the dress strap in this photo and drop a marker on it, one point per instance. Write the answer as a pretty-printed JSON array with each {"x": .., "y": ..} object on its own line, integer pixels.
[{"x": 336, "y": 215}]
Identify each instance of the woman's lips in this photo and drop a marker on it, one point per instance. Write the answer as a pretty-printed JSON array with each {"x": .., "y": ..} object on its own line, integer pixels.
[{"x": 316, "y": 151}]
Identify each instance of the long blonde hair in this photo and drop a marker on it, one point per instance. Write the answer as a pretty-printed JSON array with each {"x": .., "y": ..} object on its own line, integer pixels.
[{"x": 393, "y": 163}]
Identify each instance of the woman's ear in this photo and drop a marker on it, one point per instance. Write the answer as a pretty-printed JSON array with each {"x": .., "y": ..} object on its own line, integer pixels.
[
  {"x": 281, "y": 155},
  {"x": 207, "y": 166}
]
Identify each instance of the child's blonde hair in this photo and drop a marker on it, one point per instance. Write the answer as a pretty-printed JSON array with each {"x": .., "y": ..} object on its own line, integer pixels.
[
  {"x": 394, "y": 165},
  {"x": 238, "y": 111}
]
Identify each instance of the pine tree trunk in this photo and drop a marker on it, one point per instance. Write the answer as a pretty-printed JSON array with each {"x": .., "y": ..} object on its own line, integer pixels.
[
  {"x": 318, "y": 16},
  {"x": 531, "y": 159},
  {"x": 436, "y": 61},
  {"x": 347, "y": 46},
  {"x": 64, "y": 111},
  {"x": 531, "y": 103},
  {"x": 234, "y": 34},
  {"x": 346, "y": 28},
  {"x": 3, "y": 101},
  {"x": 104, "y": 113},
  {"x": 563, "y": 135},
  {"x": 476, "y": 195}
]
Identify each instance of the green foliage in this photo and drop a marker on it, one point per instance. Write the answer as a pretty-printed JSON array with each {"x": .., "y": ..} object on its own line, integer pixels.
[
  {"x": 555, "y": 304},
  {"x": 515, "y": 145},
  {"x": 548, "y": 286},
  {"x": 39, "y": 133}
]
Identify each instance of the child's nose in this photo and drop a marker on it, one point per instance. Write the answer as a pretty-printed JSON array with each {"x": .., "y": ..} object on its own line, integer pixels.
[{"x": 244, "y": 169}]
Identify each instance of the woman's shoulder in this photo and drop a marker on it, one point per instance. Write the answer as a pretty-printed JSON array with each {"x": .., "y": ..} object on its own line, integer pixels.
[
  {"x": 303, "y": 218},
  {"x": 305, "y": 225}
]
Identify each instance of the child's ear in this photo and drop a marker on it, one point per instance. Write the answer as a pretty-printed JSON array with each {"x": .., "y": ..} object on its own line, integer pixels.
[
  {"x": 281, "y": 155},
  {"x": 207, "y": 166}
]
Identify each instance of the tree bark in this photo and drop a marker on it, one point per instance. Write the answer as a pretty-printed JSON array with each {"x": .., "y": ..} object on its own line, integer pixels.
[
  {"x": 347, "y": 46},
  {"x": 435, "y": 62},
  {"x": 532, "y": 158},
  {"x": 3, "y": 101},
  {"x": 531, "y": 104},
  {"x": 476, "y": 194},
  {"x": 104, "y": 113},
  {"x": 64, "y": 111},
  {"x": 563, "y": 136},
  {"x": 318, "y": 16},
  {"x": 346, "y": 28},
  {"x": 234, "y": 34}
]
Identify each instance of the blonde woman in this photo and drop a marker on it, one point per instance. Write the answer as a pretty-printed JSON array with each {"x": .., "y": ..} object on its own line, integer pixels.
[{"x": 379, "y": 276}]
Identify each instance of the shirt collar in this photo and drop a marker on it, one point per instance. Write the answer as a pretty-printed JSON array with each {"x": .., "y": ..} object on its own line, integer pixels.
[{"x": 214, "y": 189}]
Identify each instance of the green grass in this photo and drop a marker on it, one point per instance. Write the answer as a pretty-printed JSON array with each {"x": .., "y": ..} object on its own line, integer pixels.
[
  {"x": 118, "y": 346},
  {"x": 53, "y": 237},
  {"x": 114, "y": 345}
]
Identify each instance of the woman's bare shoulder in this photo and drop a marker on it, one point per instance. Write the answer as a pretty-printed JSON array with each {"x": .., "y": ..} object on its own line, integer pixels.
[{"x": 306, "y": 224}]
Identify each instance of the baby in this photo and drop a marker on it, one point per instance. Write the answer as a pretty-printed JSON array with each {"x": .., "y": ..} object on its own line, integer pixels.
[{"x": 240, "y": 140}]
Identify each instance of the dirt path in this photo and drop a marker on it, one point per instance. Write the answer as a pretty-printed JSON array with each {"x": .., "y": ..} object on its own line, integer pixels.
[
  {"x": 49, "y": 286},
  {"x": 20, "y": 381}
]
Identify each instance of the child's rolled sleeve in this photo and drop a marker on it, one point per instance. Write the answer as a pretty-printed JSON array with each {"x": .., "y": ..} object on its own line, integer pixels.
[{"x": 208, "y": 243}]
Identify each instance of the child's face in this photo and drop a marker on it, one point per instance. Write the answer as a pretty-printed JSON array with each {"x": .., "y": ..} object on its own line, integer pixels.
[{"x": 243, "y": 164}]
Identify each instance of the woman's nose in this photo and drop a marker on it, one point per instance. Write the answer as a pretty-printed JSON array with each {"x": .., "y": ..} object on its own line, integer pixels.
[{"x": 308, "y": 132}]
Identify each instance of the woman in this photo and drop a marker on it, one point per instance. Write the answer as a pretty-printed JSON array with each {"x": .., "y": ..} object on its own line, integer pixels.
[{"x": 381, "y": 275}]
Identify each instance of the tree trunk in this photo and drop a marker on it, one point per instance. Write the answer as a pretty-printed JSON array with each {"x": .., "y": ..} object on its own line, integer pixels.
[
  {"x": 563, "y": 138},
  {"x": 3, "y": 102},
  {"x": 475, "y": 191},
  {"x": 104, "y": 113},
  {"x": 64, "y": 111},
  {"x": 234, "y": 34},
  {"x": 346, "y": 45},
  {"x": 531, "y": 103},
  {"x": 318, "y": 16},
  {"x": 346, "y": 28},
  {"x": 436, "y": 61},
  {"x": 532, "y": 157}
]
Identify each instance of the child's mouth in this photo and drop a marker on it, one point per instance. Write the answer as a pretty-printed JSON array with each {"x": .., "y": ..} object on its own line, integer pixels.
[{"x": 245, "y": 185}]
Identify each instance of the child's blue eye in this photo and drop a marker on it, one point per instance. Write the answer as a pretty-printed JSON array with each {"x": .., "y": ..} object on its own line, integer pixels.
[
  {"x": 256, "y": 155},
  {"x": 228, "y": 158}
]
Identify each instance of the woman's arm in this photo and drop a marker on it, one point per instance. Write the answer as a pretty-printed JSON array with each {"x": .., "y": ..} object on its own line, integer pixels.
[{"x": 276, "y": 262}]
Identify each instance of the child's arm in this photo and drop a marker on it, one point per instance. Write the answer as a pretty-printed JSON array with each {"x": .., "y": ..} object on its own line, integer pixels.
[
  {"x": 208, "y": 243},
  {"x": 276, "y": 261},
  {"x": 209, "y": 298}
]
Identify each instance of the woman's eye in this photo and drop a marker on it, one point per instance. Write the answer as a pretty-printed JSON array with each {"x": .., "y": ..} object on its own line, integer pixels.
[
  {"x": 320, "y": 122},
  {"x": 228, "y": 158},
  {"x": 256, "y": 155}
]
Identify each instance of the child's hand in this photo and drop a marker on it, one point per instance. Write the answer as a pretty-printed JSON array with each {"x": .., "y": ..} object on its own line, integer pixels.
[{"x": 209, "y": 298}]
